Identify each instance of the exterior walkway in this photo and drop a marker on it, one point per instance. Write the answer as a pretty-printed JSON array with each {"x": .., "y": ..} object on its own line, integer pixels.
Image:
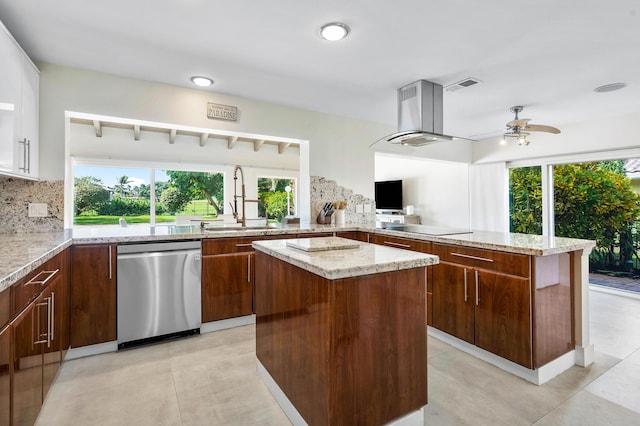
[{"x": 620, "y": 283}]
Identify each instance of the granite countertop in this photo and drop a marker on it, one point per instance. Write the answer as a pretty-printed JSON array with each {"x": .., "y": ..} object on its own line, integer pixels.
[
  {"x": 22, "y": 253},
  {"x": 533, "y": 245},
  {"x": 339, "y": 263}
]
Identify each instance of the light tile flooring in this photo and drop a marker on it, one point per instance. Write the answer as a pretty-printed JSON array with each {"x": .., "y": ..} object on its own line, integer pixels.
[{"x": 211, "y": 380}]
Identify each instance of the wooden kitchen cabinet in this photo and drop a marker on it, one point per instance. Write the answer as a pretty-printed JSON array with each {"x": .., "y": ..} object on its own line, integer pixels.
[
  {"x": 227, "y": 286},
  {"x": 481, "y": 304},
  {"x": 93, "y": 294},
  {"x": 5, "y": 375},
  {"x": 228, "y": 275},
  {"x": 354, "y": 235},
  {"x": 414, "y": 245},
  {"x": 29, "y": 338}
]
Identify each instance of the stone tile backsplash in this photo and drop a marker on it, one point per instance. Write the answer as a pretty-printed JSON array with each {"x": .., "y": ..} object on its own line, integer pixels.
[
  {"x": 15, "y": 196},
  {"x": 324, "y": 191}
]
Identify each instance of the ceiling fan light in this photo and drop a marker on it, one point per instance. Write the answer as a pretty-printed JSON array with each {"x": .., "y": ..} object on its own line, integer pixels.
[
  {"x": 610, "y": 87},
  {"x": 334, "y": 31}
]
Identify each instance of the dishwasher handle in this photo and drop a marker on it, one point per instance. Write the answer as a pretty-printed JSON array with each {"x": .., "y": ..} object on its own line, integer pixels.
[{"x": 159, "y": 254}]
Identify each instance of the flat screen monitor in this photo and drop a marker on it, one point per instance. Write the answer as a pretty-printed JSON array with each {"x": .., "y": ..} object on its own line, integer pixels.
[{"x": 389, "y": 195}]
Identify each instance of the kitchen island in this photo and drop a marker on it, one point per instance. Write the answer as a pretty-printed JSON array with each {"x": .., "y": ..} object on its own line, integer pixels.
[{"x": 340, "y": 335}]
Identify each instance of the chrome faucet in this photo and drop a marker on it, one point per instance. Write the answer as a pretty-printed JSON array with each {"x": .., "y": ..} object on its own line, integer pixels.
[{"x": 243, "y": 219}]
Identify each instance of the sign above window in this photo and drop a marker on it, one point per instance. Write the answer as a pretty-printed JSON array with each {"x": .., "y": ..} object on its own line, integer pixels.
[{"x": 222, "y": 112}]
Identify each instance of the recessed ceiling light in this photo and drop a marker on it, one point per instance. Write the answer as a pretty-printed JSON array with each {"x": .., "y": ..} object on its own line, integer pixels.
[
  {"x": 334, "y": 31},
  {"x": 202, "y": 81},
  {"x": 610, "y": 87}
]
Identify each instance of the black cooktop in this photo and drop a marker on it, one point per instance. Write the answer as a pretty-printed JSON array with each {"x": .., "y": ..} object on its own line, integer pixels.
[{"x": 423, "y": 229}]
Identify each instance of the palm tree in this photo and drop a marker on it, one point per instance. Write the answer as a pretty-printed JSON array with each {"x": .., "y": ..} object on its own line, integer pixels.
[{"x": 123, "y": 181}]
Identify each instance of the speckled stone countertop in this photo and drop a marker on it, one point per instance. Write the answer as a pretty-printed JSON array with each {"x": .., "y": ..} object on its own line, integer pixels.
[
  {"x": 22, "y": 253},
  {"x": 344, "y": 263},
  {"x": 534, "y": 245}
]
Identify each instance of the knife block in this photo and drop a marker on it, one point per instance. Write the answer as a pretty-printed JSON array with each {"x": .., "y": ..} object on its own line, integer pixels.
[{"x": 322, "y": 219}]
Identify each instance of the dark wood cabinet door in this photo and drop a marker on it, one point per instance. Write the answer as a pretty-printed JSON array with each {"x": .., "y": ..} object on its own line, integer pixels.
[
  {"x": 5, "y": 371},
  {"x": 354, "y": 235},
  {"x": 227, "y": 286},
  {"x": 28, "y": 339},
  {"x": 52, "y": 349},
  {"x": 93, "y": 294},
  {"x": 453, "y": 300},
  {"x": 503, "y": 316}
]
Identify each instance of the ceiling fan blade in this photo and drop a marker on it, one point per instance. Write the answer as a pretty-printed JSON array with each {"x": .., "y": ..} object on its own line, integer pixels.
[
  {"x": 522, "y": 122},
  {"x": 541, "y": 128}
]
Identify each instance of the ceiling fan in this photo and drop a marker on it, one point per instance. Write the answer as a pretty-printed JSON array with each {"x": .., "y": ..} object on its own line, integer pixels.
[{"x": 519, "y": 128}]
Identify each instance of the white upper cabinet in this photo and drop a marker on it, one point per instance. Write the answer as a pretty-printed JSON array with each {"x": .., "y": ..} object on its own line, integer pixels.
[{"x": 19, "y": 108}]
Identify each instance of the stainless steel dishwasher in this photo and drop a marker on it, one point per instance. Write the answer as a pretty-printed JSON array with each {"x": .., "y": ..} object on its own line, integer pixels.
[{"x": 159, "y": 293}]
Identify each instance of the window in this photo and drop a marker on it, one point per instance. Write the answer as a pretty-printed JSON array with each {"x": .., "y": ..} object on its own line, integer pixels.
[
  {"x": 525, "y": 200},
  {"x": 105, "y": 194},
  {"x": 278, "y": 197}
]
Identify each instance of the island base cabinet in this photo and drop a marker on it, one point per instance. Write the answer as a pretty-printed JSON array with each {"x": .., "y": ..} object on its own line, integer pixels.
[
  {"x": 346, "y": 351},
  {"x": 503, "y": 316},
  {"x": 488, "y": 309}
]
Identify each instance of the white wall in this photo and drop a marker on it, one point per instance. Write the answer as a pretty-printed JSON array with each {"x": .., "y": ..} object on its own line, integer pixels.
[
  {"x": 338, "y": 147},
  {"x": 438, "y": 190},
  {"x": 489, "y": 197}
]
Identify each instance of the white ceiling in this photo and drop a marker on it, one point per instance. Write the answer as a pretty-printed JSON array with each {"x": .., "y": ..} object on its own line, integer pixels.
[{"x": 547, "y": 55}]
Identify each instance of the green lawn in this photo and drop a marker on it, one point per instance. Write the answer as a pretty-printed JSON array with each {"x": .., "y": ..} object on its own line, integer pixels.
[{"x": 196, "y": 207}]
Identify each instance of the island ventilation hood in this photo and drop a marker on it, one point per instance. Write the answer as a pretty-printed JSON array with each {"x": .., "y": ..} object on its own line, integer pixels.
[{"x": 419, "y": 116}]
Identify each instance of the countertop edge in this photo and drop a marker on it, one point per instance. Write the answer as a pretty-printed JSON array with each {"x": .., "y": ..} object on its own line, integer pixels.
[{"x": 420, "y": 260}]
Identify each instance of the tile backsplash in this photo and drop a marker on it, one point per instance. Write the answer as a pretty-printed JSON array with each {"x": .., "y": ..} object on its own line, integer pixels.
[
  {"x": 323, "y": 191},
  {"x": 15, "y": 196}
]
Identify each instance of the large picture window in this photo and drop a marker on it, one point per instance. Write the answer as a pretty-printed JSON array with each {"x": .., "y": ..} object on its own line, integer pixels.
[{"x": 112, "y": 195}]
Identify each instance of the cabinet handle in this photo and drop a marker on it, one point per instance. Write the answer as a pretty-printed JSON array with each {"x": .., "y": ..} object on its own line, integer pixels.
[
  {"x": 38, "y": 307},
  {"x": 466, "y": 293},
  {"x": 34, "y": 281},
  {"x": 24, "y": 167},
  {"x": 28, "y": 163},
  {"x": 243, "y": 245},
  {"x": 248, "y": 269},
  {"x": 53, "y": 315},
  {"x": 391, "y": 243},
  {"x": 110, "y": 262},
  {"x": 467, "y": 256},
  {"x": 477, "y": 292}
]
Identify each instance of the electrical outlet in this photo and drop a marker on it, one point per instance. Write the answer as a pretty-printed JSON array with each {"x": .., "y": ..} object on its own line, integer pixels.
[
  {"x": 367, "y": 208},
  {"x": 38, "y": 210},
  {"x": 359, "y": 208}
]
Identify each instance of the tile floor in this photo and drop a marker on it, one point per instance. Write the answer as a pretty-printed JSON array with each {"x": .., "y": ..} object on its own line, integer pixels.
[{"x": 211, "y": 380}]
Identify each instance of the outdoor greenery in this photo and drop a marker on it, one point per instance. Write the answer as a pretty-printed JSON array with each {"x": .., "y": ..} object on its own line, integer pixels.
[
  {"x": 273, "y": 197},
  {"x": 592, "y": 201},
  {"x": 185, "y": 193}
]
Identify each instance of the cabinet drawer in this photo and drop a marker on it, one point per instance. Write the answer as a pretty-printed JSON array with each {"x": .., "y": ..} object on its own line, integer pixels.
[
  {"x": 5, "y": 307},
  {"x": 29, "y": 287},
  {"x": 403, "y": 243},
  {"x": 508, "y": 263},
  {"x": 213, "y": 246}
]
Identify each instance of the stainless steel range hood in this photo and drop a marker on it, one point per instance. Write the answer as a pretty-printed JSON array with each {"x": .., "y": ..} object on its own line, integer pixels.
[{"x": 419, "y": 116}]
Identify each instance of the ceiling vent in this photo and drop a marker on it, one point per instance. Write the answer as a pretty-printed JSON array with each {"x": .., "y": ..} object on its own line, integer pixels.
[{"x": 462, "y": 84}]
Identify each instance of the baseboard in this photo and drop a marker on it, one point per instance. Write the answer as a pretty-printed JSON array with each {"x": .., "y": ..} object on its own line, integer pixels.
[
  {"x": 208, "y": 327},
  {"x": 83, "y": 351},
  {"x": 415, "y": 418},
  {"x": 537, "y": 376}
]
